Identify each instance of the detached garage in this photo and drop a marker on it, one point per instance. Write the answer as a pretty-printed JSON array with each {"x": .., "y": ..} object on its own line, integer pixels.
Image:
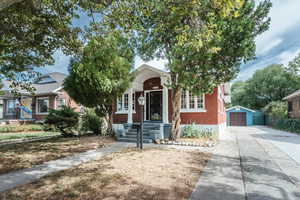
[{"x": 239, "y": 116}]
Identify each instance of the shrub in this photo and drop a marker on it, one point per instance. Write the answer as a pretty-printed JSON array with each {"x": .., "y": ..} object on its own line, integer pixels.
[
  {"x": 192, "y": 131},
  {"x": 92, "y": 122},
  {"x": 292, "y": 125},
  {"x": 65, "y": 120},
  {"x": 276, "y": 109},
  {"x": 21, "y": 128}
]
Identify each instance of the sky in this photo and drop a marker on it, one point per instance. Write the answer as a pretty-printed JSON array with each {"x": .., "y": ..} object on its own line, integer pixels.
[{"x": 280, "y": 44}]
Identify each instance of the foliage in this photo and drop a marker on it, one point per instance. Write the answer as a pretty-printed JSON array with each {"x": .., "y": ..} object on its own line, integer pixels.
[
  {"x": 202, "y": 51},
  {"x": 92, "y": 122},
  {"x": 266, "y": 85},
  {"x": 294, "y": 65},
  {"x": 291, "y": 125},
  {"x": 30, "y": 135},
  {"x": 192, "y": 131},
  {"x": 20, "y": 128},
  {"x": 64, "y": 119},
  {"x": 102, "y": 73},
  {"x": 276, "y": 109}
]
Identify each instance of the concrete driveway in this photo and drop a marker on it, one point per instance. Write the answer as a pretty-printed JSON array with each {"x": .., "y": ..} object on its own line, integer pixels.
[{"x": 253, "y": 163}]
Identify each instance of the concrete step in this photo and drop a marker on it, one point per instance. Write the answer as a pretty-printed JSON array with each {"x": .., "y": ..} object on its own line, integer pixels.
[{"x": 134, "y": 136}]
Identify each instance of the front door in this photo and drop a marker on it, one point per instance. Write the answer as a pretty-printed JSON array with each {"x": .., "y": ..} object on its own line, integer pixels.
[{"x": 154, "y": 106}]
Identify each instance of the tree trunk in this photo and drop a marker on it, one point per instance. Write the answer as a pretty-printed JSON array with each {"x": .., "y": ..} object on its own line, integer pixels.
[{"x": 176, "y": 101}]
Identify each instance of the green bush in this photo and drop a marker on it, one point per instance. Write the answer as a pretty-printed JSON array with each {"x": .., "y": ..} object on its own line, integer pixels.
[
  {"x": 276, "y": 109},
  {"x": 192, "y": 131},
  {"x": 21, "y": 128},
  {"x": 292, "y": 125},
  {"x": 65, "y": 120},
  {"x": 92, "y": 122}
]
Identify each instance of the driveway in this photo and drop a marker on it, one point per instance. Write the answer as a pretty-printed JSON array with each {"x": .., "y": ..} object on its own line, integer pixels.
[{"x": 253, "y": 163}]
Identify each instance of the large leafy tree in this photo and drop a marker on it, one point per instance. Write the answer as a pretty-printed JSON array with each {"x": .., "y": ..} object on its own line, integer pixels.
[
  {"x": 266, "y": 85},
  {"x": 203, "y": 41},
  {"x": 102, "y": 73}
]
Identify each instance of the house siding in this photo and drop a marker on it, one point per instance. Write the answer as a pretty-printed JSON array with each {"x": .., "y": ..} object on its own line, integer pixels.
[{"x": 295, "y": 113}]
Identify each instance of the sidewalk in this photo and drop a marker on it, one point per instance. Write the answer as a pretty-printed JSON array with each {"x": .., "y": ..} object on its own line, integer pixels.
[
  {"x": 222, "y": 178},
  {"x": 14, "y": 179}
]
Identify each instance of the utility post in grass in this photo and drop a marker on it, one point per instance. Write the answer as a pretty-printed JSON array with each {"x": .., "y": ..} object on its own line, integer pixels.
[{"x": 141, "y": 101}]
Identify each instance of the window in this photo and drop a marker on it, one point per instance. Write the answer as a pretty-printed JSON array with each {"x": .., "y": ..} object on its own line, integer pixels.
[
  {"x": 42, "y": 106},
  {"x": 183, "y": 100},
  {"x": 11, "y": 106},
  {"x": 290, "y": 106},
  {"x": 191, "y": 103},
  {"x": 60, "y": 102},
  {"x": 122, "y": 103}
]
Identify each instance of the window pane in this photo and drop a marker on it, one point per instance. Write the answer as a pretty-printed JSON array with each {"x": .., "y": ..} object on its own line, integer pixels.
[
  {"x": 200, "y": 102},
  {"x": 125, "y": 101},
  {"x": 119, "y": 104},
  {"x": 61, "y": 102},
  {"x": 11, "y": 106},
  {"x": 183, "y": 100},
  {"x": 192, "y": 101},
  {"x": 43, "y": 105}
]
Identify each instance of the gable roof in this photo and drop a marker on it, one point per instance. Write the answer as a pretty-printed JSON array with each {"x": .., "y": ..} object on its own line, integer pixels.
[
  {"x": 294, "y": 94},
  {"x": 54, "y": 83},
  {"x": 239, "y": 107},
  {"x": 50, "y": 87}
]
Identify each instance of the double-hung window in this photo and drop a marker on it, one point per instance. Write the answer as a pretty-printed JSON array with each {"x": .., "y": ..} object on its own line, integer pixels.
[
  {"x": 42, "y": 105},
  {"x": 192, "y": 103},
  {"x": 11, "y": 106},
  {"x": 123, "y": 103}
]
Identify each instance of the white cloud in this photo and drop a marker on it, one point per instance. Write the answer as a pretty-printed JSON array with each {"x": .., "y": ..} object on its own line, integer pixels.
[
  {"x": 287, "y": 56},
  {"x": 284, "y": 15},
  {"x": 267, "y": 47}
]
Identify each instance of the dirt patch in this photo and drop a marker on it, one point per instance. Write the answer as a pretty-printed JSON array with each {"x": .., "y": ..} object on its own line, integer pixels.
[
  {"x": 132, "y": 174},
  {"x": 25, "y": 155}
]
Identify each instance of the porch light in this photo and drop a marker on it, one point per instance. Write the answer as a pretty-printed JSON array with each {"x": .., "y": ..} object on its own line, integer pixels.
[{"x": 141, "y": 100}]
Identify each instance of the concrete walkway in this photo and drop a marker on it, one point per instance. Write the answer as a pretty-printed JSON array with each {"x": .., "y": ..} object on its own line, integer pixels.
[
  {"x": 14, "y": 179},
  {"x": 222, "y": 177},
  {"x": 248, "y": 166}
]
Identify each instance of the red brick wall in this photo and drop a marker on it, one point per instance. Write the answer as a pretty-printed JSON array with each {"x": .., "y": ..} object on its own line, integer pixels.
[
  {"x": 40, "y": 117},
  {"x": 152, "y": 84},
  {"x": 221, "y": 106}
]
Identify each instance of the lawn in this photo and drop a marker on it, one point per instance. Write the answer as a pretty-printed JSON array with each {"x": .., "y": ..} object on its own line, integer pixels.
[
  {"x": 24, "y": 155},
  {"x": 155, "y": 173},
  {"x": 26, "y": 135}
]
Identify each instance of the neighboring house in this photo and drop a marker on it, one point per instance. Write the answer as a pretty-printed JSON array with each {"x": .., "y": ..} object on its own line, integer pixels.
[
  {"x": 49, "y": 94},
  {"x": 207, "y": 111},
  {"x": 293, "y": 104}
]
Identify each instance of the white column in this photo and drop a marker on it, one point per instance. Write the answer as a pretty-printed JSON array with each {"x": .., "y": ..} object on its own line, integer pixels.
[
  {"x": 165, "y": 105},
  {"x": 129, "y": 115}
]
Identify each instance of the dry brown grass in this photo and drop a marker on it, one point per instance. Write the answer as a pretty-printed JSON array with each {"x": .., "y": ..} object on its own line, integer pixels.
[
  {"x": 25, "y": 155},
  {"x": 132, "y": 174}
]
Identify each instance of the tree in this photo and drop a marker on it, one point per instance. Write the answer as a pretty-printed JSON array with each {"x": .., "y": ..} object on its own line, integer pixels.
[
  {"x": 64, "y": 119},
  {"x": 102, "y": 73},
  {"x": 294, "y": 65},
  {"x": 203, "y": 41},
  {"x": 277, "y": 109},
  {"x": 272, "y": 83}
]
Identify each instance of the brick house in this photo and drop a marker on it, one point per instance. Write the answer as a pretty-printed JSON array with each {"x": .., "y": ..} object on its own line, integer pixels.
[
  {"x": 293, "y": 104},
  {"x": 206, "y": 111},
  {"x": 49, "y": 94}
]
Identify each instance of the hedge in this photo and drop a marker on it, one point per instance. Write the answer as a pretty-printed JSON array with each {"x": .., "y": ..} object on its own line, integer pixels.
[
  {"x": 291, "y": 125},
  {"x": 21, "y": 128}
]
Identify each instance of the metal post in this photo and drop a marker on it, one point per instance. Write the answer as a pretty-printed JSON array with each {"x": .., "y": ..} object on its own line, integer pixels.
[{"x": 141, "y": 128}]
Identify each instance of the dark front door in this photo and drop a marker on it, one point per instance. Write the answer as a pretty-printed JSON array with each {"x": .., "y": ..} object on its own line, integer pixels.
[
  {"x": 154, "y": 106},
  {"x": 238, "y": 119}
]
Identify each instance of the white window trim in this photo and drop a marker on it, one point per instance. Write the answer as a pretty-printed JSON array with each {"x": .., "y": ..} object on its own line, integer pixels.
[
  {"x": 123, "y": 104},
  {"x": 37, "y": 106},
  {"x": 193, "y": 110}
]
